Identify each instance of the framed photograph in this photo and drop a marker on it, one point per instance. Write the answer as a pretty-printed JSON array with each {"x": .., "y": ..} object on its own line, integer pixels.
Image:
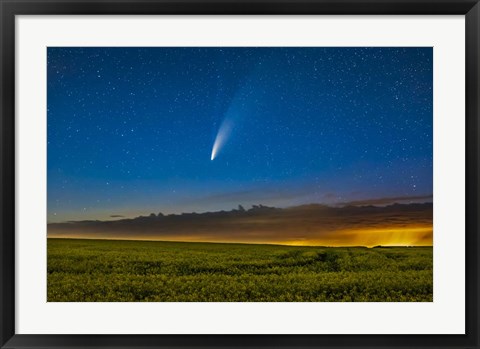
[{"x": 253, "y": 174}]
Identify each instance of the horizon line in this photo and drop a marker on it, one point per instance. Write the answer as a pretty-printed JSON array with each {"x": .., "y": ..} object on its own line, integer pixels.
[{"x": 234, "y": 243}]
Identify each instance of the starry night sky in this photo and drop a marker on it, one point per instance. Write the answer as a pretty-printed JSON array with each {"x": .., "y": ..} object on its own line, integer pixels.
[{"x": 131, "y": 130}]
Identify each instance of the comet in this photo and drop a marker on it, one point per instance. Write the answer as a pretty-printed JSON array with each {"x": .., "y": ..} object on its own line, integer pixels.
[
  {"x": 238, "y": 108},
  {"x": 222, "y": 135}
]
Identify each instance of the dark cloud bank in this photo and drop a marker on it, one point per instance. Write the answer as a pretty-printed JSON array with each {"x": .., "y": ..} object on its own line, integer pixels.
[{"x": 314, "y": 224}]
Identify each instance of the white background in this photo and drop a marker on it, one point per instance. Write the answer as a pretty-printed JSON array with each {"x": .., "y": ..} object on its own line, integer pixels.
[{"x": 445, "y": 315}]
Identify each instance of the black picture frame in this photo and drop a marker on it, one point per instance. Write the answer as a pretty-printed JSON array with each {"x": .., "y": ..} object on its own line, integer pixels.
[{"x": 10, "y": 8}]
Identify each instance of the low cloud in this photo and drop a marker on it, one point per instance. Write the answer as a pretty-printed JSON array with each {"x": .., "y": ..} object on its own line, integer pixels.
[
  {"x": 389, "y": 200},
  {"x": 313, "y": 224}
]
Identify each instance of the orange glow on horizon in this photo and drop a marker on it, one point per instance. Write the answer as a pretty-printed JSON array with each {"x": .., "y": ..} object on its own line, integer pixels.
[{"x": 368, "y": 237}]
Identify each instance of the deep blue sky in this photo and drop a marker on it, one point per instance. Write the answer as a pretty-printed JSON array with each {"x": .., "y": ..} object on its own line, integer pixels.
[{"x": 131, "y": 130}]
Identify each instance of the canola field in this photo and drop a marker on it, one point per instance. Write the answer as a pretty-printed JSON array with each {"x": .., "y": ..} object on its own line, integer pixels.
[{"x": 148, "y": 271}]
